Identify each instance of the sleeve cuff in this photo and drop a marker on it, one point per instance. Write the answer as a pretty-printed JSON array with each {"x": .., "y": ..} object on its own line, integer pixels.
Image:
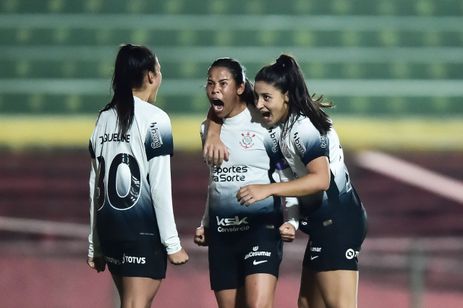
[
  {"x": 294, "y": 223},
  {"x": 171, "y": 249}
]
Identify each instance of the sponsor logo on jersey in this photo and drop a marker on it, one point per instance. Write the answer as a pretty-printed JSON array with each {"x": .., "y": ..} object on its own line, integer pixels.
[
  {"x": 316, "y": 249},
  {"x": 232, "y": 224},
  {"x": 126, "y": 259},
  {"x": 133, "y": 259},
  {"x": 323, "y": 142},
  {"x": 297, "y": 141},
  {"x": 247, "y": 142},
  {"x": 351, "y": 253},
  {"x": 115, "y": 137},
  {"x": 257, "y": 253},
  {"x": 156, "y": 139},
  {"x": 235, "y": 173},
  {"x": 235, "y": 221},
  {"x": 273, "y": 137},
  {"x": 112, "y": 260}
]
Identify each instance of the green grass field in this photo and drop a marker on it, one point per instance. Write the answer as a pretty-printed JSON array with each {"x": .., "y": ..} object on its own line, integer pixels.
[{"x": 23, "y": 132}]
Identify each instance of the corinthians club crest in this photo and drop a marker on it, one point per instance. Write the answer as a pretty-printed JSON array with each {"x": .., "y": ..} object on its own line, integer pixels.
[{"x": 247, "y": 141}]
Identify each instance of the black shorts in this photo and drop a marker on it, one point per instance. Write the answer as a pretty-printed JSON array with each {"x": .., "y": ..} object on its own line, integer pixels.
[
  {"x": 230, "y": 261},
  {"x": 335, "y": 243},
  {"x": 139, "y": 258}
]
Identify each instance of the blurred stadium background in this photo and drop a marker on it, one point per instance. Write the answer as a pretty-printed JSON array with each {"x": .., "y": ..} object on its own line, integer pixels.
[{"x": 393, "y": 68}]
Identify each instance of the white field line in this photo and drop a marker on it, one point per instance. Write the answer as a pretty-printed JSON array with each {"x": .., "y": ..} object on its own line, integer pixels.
[{"x": 412, "y": 174}]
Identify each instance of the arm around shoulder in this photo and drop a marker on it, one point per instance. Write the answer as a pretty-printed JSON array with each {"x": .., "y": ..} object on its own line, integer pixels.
[{"x": 214, "y": 151}]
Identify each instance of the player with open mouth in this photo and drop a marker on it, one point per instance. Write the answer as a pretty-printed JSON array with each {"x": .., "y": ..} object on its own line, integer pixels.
[{"x": 245, "y": 243}]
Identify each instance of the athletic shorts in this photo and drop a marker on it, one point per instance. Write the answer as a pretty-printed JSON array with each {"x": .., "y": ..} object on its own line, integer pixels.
[
  {"x": 335, "y": 243},
  {"x": 139, "y": 258},
  {"x": 231, "y": 261}
]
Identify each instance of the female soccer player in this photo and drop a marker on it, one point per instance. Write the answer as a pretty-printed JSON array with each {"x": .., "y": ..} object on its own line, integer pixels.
[
  {"x": 245, "y": 243},
  {"x": 132, "y": 226},
  {"x": 331, "y": 212}
]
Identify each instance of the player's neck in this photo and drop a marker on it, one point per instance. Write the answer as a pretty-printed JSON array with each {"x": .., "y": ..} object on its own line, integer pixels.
[
  {"x": 143, "y": 95},
  {"x": 237, "y": 110}
]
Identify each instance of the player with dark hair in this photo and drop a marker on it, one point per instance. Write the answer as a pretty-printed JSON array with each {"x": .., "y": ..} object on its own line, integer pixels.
[
  {"x": 132, "y": 226},
  {"x": 330, "y": 209},
  {"x": 245, "y": 243}
]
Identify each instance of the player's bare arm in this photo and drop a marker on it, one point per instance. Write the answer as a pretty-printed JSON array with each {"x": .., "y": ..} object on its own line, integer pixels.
[
  {"x": 214, "y": 151},
  {"x": 250, "y": 194},
  {"x": 317, "y": 179}
]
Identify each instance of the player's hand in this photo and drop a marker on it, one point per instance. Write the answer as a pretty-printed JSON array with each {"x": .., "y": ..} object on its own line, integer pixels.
[
  {"x": 250, "y": 194},
  {"x": 97, "y": 263},
  {"x": 214, "y": 151},
  {"x": 200, "y": 238},
  {"x": 287, "y": 232},
  {"x": 178, "y": 258}
]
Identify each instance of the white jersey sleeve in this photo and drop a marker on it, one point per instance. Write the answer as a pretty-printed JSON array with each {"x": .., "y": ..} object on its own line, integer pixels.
[
  {"x": 159, "y": 148},
  {"x": 161, "y": 188},
  {"x": 94, "y": 249},
  {"x": 302, "y": 144},
  {"x": 205, "y": 218}
]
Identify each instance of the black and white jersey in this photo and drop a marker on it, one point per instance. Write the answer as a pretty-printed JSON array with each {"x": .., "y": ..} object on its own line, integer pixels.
[
  {"x": 303, "y": 143},
  {"x": 253, "y": 156},
  {"x": 130, "y": 180}
]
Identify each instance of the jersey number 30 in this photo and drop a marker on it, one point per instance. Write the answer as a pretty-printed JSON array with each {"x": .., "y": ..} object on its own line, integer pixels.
[{"x": 123, "y": 182}]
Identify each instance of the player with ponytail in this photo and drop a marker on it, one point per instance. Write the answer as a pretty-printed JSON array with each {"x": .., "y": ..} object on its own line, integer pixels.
[
  {"x": 330, "y": 209},
  {"x": 132, "y": 225}
]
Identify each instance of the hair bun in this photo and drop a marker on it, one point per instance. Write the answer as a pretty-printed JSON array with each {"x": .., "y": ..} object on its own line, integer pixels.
[{"x": 284, "y": 61}]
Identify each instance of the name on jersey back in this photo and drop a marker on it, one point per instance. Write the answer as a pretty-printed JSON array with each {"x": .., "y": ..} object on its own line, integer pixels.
[{"x": 114, "y": 137}]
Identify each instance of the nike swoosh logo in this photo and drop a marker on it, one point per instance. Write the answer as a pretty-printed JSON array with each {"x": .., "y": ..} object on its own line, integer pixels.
[
  {"x": 255, "y": 262},
  {"x": 313, "y": 257}
]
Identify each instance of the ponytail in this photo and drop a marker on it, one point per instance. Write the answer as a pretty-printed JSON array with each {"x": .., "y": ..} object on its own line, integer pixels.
[
  {"x": 286, "y": 76},
  {"x": 248, "y": 95},
  {"x": 132, "y": 63}
]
